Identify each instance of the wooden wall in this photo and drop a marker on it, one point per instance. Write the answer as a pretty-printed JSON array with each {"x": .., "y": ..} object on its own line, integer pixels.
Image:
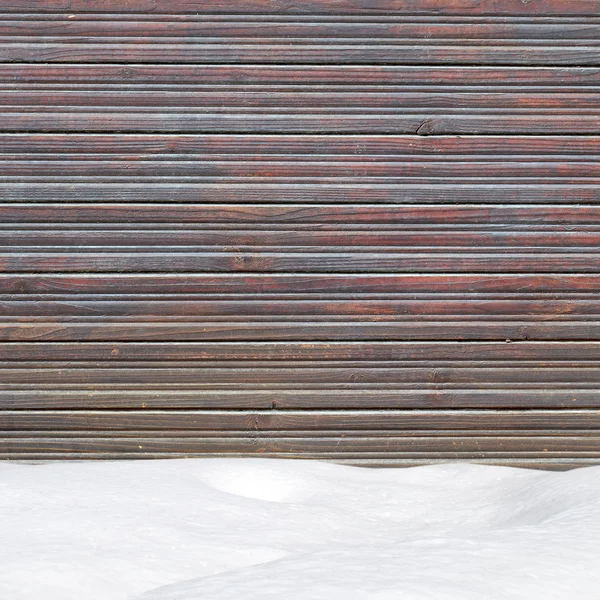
[{"x": 357, "y": 230}]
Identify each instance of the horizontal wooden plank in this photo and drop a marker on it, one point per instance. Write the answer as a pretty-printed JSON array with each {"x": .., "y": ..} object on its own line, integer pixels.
[
  {"x": 303, "y": 284},
  {"x": 98, "y": 396},
  {"x": 340, "y": 446},
  {"x": 303, "y": 260},
  {"x": 405, "y": 310},
  {"x": 261, "y": 147},
  {"x": 522, "y": 185},
  {"x": 317, "y": 91},
  {"x": 89, "y": 27},
  {"x": 291, "y": 216},
  {"x": 291, "y": 376},
  {"x": 563, "y": 78},
  {"x": 318, "y": 376},
  {"x": 324, "y": 439},
  {"x": 315, "y": 422},
  {"x": 355, "y": 437},
  {"x": 423, "y": 123},
  {"x": 305, "y": 365},
  {"x": 568, "y": 294},
  {"x": 373, "y": 328},
  {"x": 514, "y": 330},
  {"x": 385, "y": 169},
  {"x": 309, "y": 7},
  {"x": 298, "y": 51},
  {"x": 240, "y": 122},
  {"x": 456, "y": 351},
  {"x": 264, "y": 192},
  {"x": 509, "y": 124},
  {"x": 436, "y": 238}
]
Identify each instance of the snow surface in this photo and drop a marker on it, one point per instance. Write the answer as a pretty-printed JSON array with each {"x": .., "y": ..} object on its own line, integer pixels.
[{"x": 250, "y": 529}]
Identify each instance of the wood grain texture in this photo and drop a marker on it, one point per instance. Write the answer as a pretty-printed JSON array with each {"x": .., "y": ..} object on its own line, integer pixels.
[
  {"x": 108, "y": 393},
  {"x": 36, "y": 28},
  {"x": 423, "y": 122},
  {"x": 107, "y": 76},
  {"x": 281, "y": 286},
  {"x": 263, "y": 191},
  {"x": 310, "y": 7},
  {"x": 252, "y": 351},
  {"x": 260, "y": 147},
  {"x": 300, "y": 50},
  {"x": 482, "y": 216},
  {"x": 337, "y": 446},
  {"x": 360, "y": 231},
  {"x": 321, "y": 422}
]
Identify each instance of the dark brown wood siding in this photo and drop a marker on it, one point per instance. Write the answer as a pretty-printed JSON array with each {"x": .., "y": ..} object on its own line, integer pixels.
[{"x": 358, "y": 230}]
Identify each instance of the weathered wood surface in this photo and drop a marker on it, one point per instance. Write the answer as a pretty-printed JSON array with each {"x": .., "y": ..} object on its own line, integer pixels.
[
  {"x": 308, "y": 7},
  {"x": 364, "y": 231}
]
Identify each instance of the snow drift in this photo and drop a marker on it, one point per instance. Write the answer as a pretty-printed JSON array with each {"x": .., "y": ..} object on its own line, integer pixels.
[{"x": 250, "y": 529}]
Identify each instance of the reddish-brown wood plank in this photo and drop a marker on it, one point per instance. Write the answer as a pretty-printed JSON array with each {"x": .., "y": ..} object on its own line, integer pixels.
[
  {"x": 433, "y": 306},
  {"x": 107, "y": 75},
  {"x": 309, "y": 147},
  {"x": 252, "y": 351},
  {"x": 422, "y": 123},
  {"x": 84, "y": 27},
  {"x": 372, "y": 238},
  {"x": 327, "y": 193},
  {"x": 298, "y": 169},
  {"x": 252, "y": 51},
  {"x": 567, "y": 218},
  {"x": 310, "y": 7},
  {"x": 327, "y": 285},
  {"x": 188, "y": 330},
  {"x": 299, "y": 260}
]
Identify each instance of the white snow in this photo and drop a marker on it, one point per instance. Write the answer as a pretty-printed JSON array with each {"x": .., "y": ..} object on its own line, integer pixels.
[{"x": 250, "y": 529}]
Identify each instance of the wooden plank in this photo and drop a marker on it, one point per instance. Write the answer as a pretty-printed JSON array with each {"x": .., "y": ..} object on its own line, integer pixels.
[
  {"x": 251, "y": 351},
  {"x": 407, "y": 378},
  {"x": 439, "y": 375},
  {"x": 261, "y": 147},
  {"x": 292, "y": 216},
  {"x": 96, "y": 396},
  {"x": 352, "y": 422},
  {"x": 344, "y": 169},
  {"x": 516, "y": 330},
  {"x": 265, "y": 192},
  {"x": 502, "y": 30},
  {"x": 253, "y": 51},
  {"x": 309, "y": 7},
  {"x": 406, "y": 310},
  {"x": 329, "y": 285},
  {"x": 565, "y": 78},
  {"x": 478, "y": 98},
  {"x": 423, "y": 123},
  {"x": 336, "y": 446},
  {"x": 370, "y": 237},
  {"x": 304, "y": 260}
]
